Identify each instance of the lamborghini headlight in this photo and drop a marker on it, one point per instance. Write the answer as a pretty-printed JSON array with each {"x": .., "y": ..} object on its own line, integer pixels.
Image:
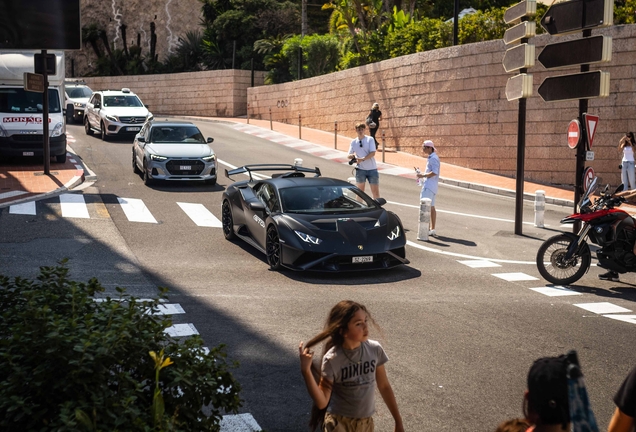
[
  {"x": 307, "y": 238},
  {"x": 395, "y": 233}
]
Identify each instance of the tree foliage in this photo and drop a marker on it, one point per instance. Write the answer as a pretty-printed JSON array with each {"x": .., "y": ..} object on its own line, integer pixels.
[{"x": 70, "y": 363}]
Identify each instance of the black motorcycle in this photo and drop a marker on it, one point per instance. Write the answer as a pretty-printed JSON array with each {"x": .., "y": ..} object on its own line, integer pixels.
[{"x": 565, "y": 258}]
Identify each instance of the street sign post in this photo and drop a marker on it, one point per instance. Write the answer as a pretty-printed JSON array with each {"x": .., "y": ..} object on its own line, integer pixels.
[
  {"x": 523, "y": 30},
  {"x": 519, "y": 87},
  {"x": 585, "y": 85},
  {"x": 523, "y": 9},
  {"x": 595, "y": 49},
  {"x": 577, "y": 15},
  {"x": 591, "y": 122},
  {"x": 574, "y": 134}
]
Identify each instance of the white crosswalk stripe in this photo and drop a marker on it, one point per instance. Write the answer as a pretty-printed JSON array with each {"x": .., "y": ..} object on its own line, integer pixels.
[
  {"x": 74, "y": 206},
  {"x": 200, "y": 215},
  {"x": 478, "y": 263},
  {"x": 27, "y": 208},
  {"x": 602, "y": 308},
  {"x": 239, "y": 423},
  {"x": 136, "y": 210},
  {"x": 182, "y": 330},
  {"x": 555, "y": 291},
  {"x": 515, "y": 277}
]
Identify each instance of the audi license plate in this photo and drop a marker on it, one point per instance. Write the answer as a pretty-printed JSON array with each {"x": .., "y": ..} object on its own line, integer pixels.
[
  {"x": 133, "y": 128},
  {"x": 185, "y": 167},
  {"x": 28, "y": 154},
  {"x": 363, "y": 259}
]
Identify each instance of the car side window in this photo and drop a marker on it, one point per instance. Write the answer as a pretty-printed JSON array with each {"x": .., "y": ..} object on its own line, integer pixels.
[{"x": 267, "y": 195}]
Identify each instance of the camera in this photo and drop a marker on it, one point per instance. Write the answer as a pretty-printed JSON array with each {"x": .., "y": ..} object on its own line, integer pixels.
[{"x": 352, "y": 161}]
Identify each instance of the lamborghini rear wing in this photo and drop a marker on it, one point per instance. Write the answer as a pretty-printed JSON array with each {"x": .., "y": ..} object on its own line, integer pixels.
[{"x": 271, "y": 167}]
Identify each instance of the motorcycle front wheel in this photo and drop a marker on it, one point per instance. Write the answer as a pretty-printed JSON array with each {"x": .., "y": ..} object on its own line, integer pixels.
[{"x": 555, "y": 268}]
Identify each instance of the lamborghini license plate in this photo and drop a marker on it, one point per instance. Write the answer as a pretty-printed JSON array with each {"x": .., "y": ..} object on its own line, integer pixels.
[{"x": 362, "y": 259}]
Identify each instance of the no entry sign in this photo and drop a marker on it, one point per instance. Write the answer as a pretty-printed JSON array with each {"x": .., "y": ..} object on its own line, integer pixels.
[{"x": 574, "y": 133}]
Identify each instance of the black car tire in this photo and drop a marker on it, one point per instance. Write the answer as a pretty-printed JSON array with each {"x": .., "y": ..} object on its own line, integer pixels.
[
  {"x": 102, "y": 130},
  {"x": 273, "y": 249},
  {"x": 69, "y": 114},
  {"x": 227, "y": 221},
  {"x": 147, "y": 180},
  {"x": 134, "y": 164},
  {"x": 60, "y": 158},
  {"x": 87, "y": 126}
]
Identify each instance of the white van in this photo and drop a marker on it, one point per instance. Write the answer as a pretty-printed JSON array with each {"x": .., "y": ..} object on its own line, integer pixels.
[{"x": 21, "y": 111}]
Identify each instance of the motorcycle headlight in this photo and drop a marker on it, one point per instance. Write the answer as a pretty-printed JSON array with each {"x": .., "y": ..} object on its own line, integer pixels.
[
  {"x": 158, "y": 158},
  {"x": 307, "y": 238},
  {"x": 395, "y": 233},
  {"x": 209, "y": 158},
  {"x": 111, "y": 117},
  {"x": 57, "y": 130}
]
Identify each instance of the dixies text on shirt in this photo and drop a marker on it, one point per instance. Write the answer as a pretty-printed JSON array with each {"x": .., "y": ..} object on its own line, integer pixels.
[{"x": 353, "y": 369}]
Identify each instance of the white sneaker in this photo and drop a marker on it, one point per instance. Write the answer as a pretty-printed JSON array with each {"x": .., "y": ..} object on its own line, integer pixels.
[{"x": 432, "y": 233}]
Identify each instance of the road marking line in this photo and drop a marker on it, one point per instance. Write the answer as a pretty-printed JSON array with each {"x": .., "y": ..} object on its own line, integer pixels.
[
  {"x": 458, "y": 255},
  {"x": 555, "y": 291},
  {"x": 479, "y": 263},
  {"x": 74, "y": 206},
  {"x": 27, "y": 208},
  {"x": 239, "y": 423},
  {"x": 79, "y": 167},
  {"x": 200, "y": 215},
  {"x": 136, "y": 210},
  {"x": 602, "y": 308},
  {"x": 181, "y": 330},
  {"x": 626, "y": 318},
  {"x": 514, "y": 277},
  {"x": 169, "y": 309}
]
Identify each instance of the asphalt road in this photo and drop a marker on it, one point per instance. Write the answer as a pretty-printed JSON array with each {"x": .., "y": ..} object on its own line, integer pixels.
[{"x": 460, "y": 340}]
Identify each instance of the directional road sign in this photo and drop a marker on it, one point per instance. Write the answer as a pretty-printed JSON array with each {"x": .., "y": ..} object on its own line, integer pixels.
[
  {"x": 576, "y": 15},
  {"x": 513, "y": 14},
  {"x": 519, "y": 86},
  {"x": 519, "y": 57},
  {"x": 523, "y": 30},
  {"x": 586, "y": 85},
  {"x": 591, "y": 123},
  {"x": 574, "y": 134},
  {"x": 595, "y": 49}
]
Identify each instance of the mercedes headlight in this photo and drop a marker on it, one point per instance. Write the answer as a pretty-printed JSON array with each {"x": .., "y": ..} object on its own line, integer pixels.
[
  {"x": 57, "y": 130},
  {"x": 307, "y": 238},
  {"x": 395, "y": 233},
  {"x": 111, "y": 117},
  {"x": 79, "y": 104},
  {"x": 158, "y": 158},
  {"x": 209, "y": 158}
]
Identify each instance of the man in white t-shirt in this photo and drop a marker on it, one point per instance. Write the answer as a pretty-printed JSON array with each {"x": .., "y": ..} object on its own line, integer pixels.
[
  {"x": 362, "y": 149},
  {"x": 431, "y": 179}
]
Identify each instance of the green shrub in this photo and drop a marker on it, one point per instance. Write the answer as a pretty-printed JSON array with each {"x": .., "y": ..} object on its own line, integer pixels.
[{"x": 68, "y": 362}]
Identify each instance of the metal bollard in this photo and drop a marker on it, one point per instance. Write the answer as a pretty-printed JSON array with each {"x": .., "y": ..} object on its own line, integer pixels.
[
  {"x": 335, "y": 134},
  {"x": 248, "y": 113},
  {"x": 351, "y": 180},
  {"x": 425, "y": 219},
  {"x": 539, "y": 208},
  {"x": 300, "y": 125},
  {"x": 298, "y": 162},
  {"x": 271, "y": 126},
  {"x": 383, "y": 148}
]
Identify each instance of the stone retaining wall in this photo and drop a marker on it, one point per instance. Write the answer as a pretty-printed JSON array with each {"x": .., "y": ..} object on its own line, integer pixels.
[
  {"x": 219, "y": 93},
  {"x": 456, "y": 97}
]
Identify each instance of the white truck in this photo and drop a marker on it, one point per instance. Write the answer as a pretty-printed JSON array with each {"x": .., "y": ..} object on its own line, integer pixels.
[{"x": 21, "y": 111}]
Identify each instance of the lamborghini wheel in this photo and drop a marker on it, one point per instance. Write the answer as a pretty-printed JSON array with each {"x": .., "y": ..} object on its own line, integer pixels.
[
  {"x": 228, "y": 221},
  {"x": 273, "y": 249}
]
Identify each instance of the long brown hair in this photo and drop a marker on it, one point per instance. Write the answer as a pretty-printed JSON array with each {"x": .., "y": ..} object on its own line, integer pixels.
[{"x": 333, "y": 334}]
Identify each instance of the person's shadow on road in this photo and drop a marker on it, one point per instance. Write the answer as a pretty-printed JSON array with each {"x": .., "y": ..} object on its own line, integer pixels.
[{"x": 437, "y": 240}]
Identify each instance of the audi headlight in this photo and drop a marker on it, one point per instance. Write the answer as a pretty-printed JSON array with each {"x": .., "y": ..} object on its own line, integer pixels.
[
  {"x": 158, "y": 158},
  {"x": 395, "y": 233},
  {"x": 111, "y": 117},
  {"x": 57, "y": 130},
  {"x": 307, "y": 238},
  {"x": 209, "y": 158},
  {"x": 79, "y": 104}
]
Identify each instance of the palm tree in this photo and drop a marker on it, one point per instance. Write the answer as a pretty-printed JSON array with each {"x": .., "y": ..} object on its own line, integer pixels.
[{"x": 90, "y": 34}]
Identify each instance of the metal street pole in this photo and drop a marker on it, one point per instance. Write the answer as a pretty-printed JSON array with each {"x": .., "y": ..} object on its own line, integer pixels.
[
  {"x": 45, "y": 117},
  {"x": 581, "y": 148},
  {"x": 456, "y": 23}
]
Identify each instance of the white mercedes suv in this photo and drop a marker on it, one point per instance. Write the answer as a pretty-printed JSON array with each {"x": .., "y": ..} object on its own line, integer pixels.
[{"x": 115, "y": 113}]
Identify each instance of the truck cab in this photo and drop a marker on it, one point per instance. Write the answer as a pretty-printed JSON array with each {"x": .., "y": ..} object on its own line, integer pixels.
[{"x": 21, "y": 132}]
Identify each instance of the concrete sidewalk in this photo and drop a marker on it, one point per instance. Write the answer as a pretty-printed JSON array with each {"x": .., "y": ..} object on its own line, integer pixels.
[{"x": 21, "y": 182}]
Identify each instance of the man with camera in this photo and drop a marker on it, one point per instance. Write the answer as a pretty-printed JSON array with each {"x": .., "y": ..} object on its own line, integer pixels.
[{"x": 362, "y": 151}]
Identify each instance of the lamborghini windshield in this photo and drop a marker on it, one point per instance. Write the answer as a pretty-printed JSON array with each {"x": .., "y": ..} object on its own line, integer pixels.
[{"x": 325, "y": 199}]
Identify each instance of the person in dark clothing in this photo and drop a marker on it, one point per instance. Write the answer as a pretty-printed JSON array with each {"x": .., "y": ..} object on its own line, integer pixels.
[
  {"x": 374, "y": 118},
  {"x": 625, "y": 400}
]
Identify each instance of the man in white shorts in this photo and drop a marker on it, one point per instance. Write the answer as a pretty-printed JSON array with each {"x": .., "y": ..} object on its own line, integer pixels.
[{"x": 431, "y": 178}]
